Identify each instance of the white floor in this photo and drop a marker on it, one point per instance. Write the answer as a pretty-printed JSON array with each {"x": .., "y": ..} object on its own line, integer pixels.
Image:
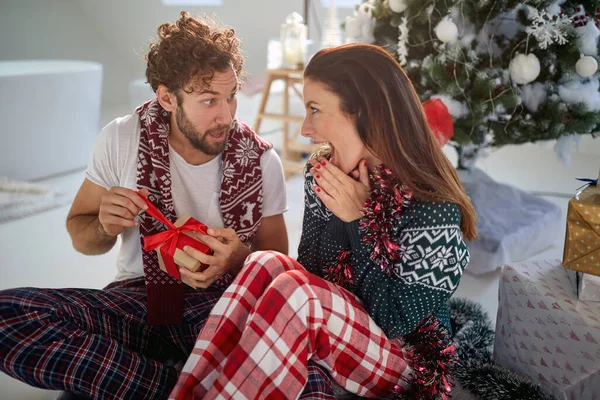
[{"x": 36, "y": 251}]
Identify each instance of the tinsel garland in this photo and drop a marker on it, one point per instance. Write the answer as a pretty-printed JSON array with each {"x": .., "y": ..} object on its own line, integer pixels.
[
  {"x": 341, "y": 272},
  {"x": 477, "y": 373},
  {"x": 431, "y": 353},
  {"x": 380, "y": 215},
  {"x": 429, "y": 350}
]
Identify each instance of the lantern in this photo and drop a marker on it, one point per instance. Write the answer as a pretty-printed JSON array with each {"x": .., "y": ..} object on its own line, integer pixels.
[{"x": 293, "y": 42}]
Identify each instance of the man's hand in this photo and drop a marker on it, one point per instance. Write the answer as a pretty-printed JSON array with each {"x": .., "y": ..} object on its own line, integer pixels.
[
  {"x": 118, "y": 208},
  {"x": 228, "y": 255},
  {"x": 341, "y": 194}
]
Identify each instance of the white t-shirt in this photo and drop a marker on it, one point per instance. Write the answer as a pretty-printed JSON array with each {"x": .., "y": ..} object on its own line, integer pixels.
[{"x": 195, "y": 188}]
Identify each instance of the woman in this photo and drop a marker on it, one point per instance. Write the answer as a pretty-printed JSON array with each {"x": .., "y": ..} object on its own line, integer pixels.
[{"x": 381, "y": 252}]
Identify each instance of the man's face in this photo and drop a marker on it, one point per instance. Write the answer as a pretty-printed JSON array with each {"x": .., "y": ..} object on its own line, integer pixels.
[{"x": 205, "y": 115}]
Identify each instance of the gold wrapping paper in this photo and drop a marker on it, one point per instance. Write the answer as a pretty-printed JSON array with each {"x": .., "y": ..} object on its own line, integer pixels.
[{"x": 582, "y": 241}]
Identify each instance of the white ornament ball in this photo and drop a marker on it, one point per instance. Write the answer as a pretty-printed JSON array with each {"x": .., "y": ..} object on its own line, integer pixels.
[
  {"x": 397, "y": 6},
  {"x": 586, "y": 66},
  {"x": 446, "y": 30},
  {"x": 524, "y": 68}
]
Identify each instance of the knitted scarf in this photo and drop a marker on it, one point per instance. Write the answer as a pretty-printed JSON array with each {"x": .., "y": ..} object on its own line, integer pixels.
[{"x": 240, "y": 200}]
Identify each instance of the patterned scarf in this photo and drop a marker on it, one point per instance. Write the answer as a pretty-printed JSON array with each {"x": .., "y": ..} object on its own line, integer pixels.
[{"x": 240, "y": 200}]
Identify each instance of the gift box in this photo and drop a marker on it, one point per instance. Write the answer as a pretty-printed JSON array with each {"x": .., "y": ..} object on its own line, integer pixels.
[
  {"x": 180, "y": 257},
  {"x": 585, "y": 286},
  {"x": 545, "y": 333},
  {"x": 169, "y": 243},
  {"x": 582, "y": 241}
]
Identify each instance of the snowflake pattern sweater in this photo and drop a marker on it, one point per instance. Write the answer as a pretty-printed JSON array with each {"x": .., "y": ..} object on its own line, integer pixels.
[{"x": 433, "y": 256}]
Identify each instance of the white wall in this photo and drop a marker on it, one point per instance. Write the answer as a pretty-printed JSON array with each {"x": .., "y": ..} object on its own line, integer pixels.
[{"x": 33, "y": 29}]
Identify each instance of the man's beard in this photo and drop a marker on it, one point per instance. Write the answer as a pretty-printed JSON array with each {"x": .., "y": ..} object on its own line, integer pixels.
[{"x": 201, "y": 142}]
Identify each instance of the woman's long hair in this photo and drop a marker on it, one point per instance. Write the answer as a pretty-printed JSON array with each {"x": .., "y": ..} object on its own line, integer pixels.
[{"x": 375, "y": 91}]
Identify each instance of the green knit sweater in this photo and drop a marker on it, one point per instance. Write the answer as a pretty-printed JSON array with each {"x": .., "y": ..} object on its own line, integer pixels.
[{"x": 433, "y": 257}]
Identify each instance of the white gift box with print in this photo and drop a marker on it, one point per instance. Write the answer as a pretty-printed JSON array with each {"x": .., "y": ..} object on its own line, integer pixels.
[
  {"x": 586, "y": 286},
  {"x": 545, "y": 332}
]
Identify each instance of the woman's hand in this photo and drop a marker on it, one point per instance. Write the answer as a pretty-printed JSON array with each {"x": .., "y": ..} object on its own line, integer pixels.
[{"x": 341, "y": 194}]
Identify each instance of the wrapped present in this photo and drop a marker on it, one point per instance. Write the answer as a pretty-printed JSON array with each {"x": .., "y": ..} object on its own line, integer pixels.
[
  {"x": 582, "y": 241},
  {"x": 169, "y": 244},
  {"x": 586, "y": 286},
  {"x": 544, "y": 332}
]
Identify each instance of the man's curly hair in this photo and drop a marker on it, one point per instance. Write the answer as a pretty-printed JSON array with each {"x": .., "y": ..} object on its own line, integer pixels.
[{"x": 190, "y": 48}]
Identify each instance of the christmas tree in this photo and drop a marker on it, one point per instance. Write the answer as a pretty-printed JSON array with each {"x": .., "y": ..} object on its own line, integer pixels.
[{"x": 509, "y": 72}]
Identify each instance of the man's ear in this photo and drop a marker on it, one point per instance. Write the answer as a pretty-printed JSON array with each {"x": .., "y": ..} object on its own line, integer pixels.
[{"x": 167, "y": 100}]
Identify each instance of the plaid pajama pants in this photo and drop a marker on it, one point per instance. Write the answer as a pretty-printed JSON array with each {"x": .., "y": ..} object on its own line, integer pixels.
[
  {"x": 271, "y": 321},
  {"x": 96, "y": 342}
]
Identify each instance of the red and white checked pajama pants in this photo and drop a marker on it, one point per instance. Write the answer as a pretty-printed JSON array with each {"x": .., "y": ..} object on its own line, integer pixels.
[
  {"x": 274, "y": 318},
  {"x": 96, "y": 343}
]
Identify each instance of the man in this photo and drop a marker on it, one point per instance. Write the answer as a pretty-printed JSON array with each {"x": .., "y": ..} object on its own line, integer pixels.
[{"x": 187, "y": 153}]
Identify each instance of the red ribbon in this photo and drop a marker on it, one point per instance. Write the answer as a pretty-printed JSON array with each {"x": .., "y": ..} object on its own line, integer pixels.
[
  {"x": 439, "y": 120},
  {"x": 170, "y": 237}
]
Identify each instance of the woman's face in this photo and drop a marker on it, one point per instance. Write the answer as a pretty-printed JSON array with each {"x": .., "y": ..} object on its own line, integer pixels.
[{"x": 326, "y": 123}]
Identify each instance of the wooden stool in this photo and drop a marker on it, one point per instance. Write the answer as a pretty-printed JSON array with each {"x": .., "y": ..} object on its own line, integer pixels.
[{"x": 291, "y": 149}]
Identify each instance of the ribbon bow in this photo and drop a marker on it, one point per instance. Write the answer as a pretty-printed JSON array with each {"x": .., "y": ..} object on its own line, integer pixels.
[
  {"x": 588, "y": 182},
  {"x": 439, "y": 120},
  {"x": 169, "y": 237}
]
